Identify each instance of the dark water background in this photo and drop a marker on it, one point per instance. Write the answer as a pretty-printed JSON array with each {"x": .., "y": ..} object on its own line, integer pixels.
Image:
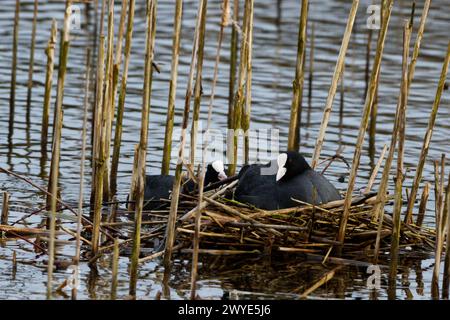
[{"x": 274, "y": 57}]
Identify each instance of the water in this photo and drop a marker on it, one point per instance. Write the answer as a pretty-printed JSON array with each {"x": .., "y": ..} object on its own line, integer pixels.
[{"x": 274, "y": 57}]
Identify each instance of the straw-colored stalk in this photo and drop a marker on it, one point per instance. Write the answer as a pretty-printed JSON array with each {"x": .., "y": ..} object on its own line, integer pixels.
[
  {"x": 132, "y": 194},
  {"x": 395, "y": 239},
  {"x": 246, "y": 110},
  {"x": 334, "y": 82},
  {"x": 116, "y": 71},
  {"x": 239, "y": 97},
  {"x": 233, "y": 64},
  {"x": 12, "y": 93},
  {"x": 311, "y": 73},
  {"x": 165, "y": 166},
  {"x": 375, "y": 170},
  {"x": 439, "y": 224},
  {"x": 76, "y": 259},
  {"x": 50, "y": 52},
  {"x": 296, "y": 105},
  {"x": 97, "y": 183},
  {"x": 121, "y": 100},
  {"x": 198, "y": 84},
  {"x": 5, "y": 208},
  {"x": 427, "y": 138},
  {"x": 423, "y": 204},
  {"x": 446, "y": 281},
  {"x": 31, "y": 64},
  {"x": 142, "y": 152},
  {"x": 115, "y": 269},
  {"x": 108, "y": 104},
  {"x": 196, "y": 242},
  {"x": 364, "y": 120},
  {"x": 170, "y": 230},
  {"x": 54, "y": 172}
]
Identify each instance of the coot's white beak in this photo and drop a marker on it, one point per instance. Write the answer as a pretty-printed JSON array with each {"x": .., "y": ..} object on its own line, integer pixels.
[
  {"x": 222, "y": 176},
  {"x": 219, "y": 167},
  {"x": 281, "y": 161}
]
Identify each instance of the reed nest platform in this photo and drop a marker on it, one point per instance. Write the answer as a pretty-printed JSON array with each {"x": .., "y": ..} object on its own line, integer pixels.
[{"x": 232, "y": 228}]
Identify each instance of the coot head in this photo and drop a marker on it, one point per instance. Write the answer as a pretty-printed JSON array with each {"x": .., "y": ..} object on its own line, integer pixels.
[
  {"x": 290, "y": 164},
  {"x": 215, "y": 172}
]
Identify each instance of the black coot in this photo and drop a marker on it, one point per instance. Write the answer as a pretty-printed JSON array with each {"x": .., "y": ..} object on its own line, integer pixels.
[
  {"x": 271, "y": 186},
  {"x": 159, "y": 187}
]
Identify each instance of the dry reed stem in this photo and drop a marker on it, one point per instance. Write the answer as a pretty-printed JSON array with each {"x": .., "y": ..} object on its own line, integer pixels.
[
  {"x": 296, "y": 105},
  {"x": 440, "y": 232},
  {"x": 423, "y": 205},
  {"x": 427, "y": 138},
  {"x": 395, "y": 241},
  {"x": 364, "y": 120},
  {"x": 5, "y": 208},
  {"x": 375, "y": 170},
  {"x": 333, "y": 87},
  {"x": 50, "y": 52},
  {"x": 167, "y": 149},
  {"x": 31, "y": 63},
  {"x": 115, "y": 269},
  {"x": 12, "y": 93},
  {"x": 446, "y": 280},
  {"x": 142, "y": 153},
  {"x": 233, "y": 64},
  {"x": 327, "y": 277},
  {"x": 170, "y": 230}
]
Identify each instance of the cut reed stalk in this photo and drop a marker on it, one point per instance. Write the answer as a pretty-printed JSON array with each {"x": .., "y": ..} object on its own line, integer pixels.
[
  {"x": 296, "y": 105},
  {"x": 332, "y": 92},
  {"x": 121, "y": 100},
  {"x": 233, "y": 64},
  {"x": 198, "y": 84},
  {"x": 142, "y": 153},
  {"x": 5, "y": 208},
  {"x": 12, "y": 93},
  {"x": 364, "y": 120},
  {"x": 196, "y": 240},
  {"x": 115, "y": 79},
  {"x": 165, "y": 166},
  {"x": 31, "y": 63},
  {"x": 427, "y": 138},
  {"x": 115, "y": 269},
  {"x": 395, "y": 239},
  {"x": 311, "y": 73},
  {"x": 76, "y": 258},
  {"x": 246, "y": 110},
  {"x": 375, "y": 170},
  {"x": 50, "y": 52},
  {"x": 170, "y": 230},
  {"x": 423, "y": 205}
]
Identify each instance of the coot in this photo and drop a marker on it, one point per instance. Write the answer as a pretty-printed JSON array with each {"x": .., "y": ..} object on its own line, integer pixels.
[
  {"x": 159, "y": 187},
  {"x": 271, "y": 186}
]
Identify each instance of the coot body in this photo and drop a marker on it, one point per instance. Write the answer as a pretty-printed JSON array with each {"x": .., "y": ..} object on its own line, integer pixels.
[{"x": 273, "y": 185}]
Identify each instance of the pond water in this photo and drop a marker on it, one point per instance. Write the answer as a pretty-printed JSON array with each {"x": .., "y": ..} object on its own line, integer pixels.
[{"x": 274, "y": 58}]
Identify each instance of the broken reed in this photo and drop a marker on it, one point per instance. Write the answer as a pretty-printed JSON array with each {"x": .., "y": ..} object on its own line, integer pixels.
[
  {"x": 115, "y": 82},
  {"x": 296, "y": 105},
  {"x": 446, "y": 280},
  {"x": 142, "y": 149},
  {"x": 167, "y": 149},
  {"x": 50, "y": 52},
  {"x": 5, "y": 208},
  {"x": 334, "y": 83},
  {"x": 12, "y": 93},
  {"x": 31, "y": 61},
  {"x": 198, "y": 84},
  {"x": 427, "y": 138},
  {"x": 364, "y": 120}
]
